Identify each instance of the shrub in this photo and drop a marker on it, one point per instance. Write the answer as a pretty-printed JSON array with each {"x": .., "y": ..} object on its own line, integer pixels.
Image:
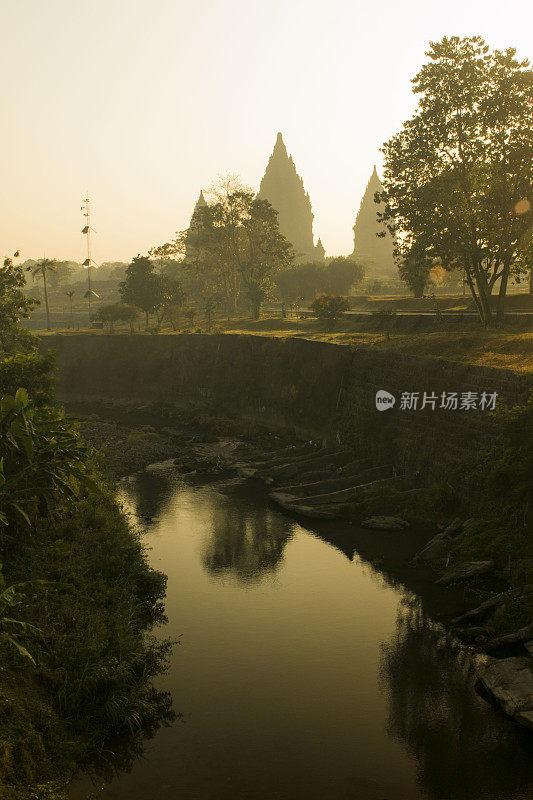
[{"x": 329, "y": 309}]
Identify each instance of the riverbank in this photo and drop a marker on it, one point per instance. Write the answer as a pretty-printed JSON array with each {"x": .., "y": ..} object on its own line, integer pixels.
[{"x": 85, "y": 587}]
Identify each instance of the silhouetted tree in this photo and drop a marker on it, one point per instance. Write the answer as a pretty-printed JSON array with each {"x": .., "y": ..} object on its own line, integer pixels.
[
  {"x": 341, "y": 274},
  {"x": 142, "y": 287}
]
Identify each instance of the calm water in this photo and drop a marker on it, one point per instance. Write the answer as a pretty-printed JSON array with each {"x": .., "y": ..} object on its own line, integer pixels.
[{"x": 301, "y": 673}]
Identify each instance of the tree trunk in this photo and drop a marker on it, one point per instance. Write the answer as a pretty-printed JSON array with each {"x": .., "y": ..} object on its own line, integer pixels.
[
  {"x": 46, "y": 301},
  {"x": 531, "y": 280},
  {"x": 502, "y": 295},
  {"x": 256, "y": 309},
  {"x": 146, "y": 312},
  {"x": 483, "y": 297}
]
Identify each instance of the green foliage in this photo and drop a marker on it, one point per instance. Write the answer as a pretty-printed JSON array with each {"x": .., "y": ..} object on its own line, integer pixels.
[
  {"x": 505, "y": 471},
  {"x": 459, "y": 175},
  {"x": 93, "y": 598},
  {"x": 14, "y": 304},
  {"x": 41, "y": 459},
  {"x": 29, "y": 370},
  {"x": 11, "y": 629},
  {"x": 329, "y": 309}
]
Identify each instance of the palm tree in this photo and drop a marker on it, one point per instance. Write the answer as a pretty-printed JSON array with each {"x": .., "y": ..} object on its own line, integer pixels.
[
  {"x": 42, "y": 267},
  {"x": 70, "y": 294}
]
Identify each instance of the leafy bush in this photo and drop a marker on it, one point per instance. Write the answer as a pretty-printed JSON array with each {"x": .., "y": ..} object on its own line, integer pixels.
[
  {"x": 41, "y": 457},
  {"x": 117, "y": 312},
  {"x": 329, "y": 309}
]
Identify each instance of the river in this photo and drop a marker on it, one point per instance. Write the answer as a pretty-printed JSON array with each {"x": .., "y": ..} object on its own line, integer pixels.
[{"x": 301, "y": 672}]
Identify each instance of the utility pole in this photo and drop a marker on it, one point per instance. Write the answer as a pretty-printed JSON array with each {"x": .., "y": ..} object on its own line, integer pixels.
[{"x": 86, "y": 208}]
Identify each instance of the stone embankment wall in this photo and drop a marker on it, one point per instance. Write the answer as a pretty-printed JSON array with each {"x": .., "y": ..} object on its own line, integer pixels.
[{"x": 319, "y": 390}]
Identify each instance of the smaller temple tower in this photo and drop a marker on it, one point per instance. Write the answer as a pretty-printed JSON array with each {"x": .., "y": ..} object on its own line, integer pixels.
[
  {"x": 190, "y": 252},
  {"x": 375, "y": 253},
  {"x": 320, "y": 253}
]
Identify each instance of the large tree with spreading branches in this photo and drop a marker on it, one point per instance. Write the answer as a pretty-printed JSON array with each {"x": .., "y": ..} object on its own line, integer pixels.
[{"x": 459, "y": 175}]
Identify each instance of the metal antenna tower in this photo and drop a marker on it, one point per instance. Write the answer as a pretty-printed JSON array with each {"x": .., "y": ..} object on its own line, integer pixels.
[{"x": 86, "y": 208}]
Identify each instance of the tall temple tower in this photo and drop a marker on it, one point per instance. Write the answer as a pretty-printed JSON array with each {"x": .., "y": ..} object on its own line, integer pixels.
[
  {"x": 190, "y": 252},
  {"x": 373, "y": 252},
  {"x": 284, "y": 189}
]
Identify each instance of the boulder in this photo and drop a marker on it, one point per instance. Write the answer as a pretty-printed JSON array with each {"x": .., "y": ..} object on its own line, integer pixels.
[
  {"x": 510, "y": 682},
  {"x": 439, "y": 544},
  {"x": 517, "y": 637},
  {"x": 465, "y": 571},
  {"x": 494, "y": 602},
  {"x": 385, "y": 523}
]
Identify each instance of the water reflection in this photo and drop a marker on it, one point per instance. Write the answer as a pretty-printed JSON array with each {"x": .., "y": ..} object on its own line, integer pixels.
[
  {"x": 122, "y": 752},
  {"x": 463, "y": 748},
  {"x": 247, "y": 542},
  {"x": 149, "y": 492}
]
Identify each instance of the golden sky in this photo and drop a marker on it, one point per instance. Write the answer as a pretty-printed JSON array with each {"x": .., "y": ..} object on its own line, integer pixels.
[{"x": 145, "y": 103}]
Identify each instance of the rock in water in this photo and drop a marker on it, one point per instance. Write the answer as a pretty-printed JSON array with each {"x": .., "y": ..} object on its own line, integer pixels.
[
  {"x": 463, "y": 572},
  {"x": 434, "y": 547},
  {"x": 385, "y": 523},
  {"x": 510, "y": 682}
]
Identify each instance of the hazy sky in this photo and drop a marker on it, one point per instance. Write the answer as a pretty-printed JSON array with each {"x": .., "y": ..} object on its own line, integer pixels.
[{"x": 144, "y": 103}]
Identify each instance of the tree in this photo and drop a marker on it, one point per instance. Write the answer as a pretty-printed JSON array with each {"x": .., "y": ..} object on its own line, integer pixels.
[
  {"x": 459, "y": 175},
  {"x": 141, "y": 287},
  {"x": 42, "y": 268},
  {"x": 414, "y": 270},
  {"x": 300, "y": 282},
  {"x": 14, "y": 304},
  {"x": 329, "y": 309},
  {"x": 171, "y": 300},
  {"x": 342, "y": 274},
  {"x": 237, "y": 245}
]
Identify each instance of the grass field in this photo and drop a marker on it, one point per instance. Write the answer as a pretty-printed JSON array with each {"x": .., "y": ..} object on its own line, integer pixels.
[{"x": 472, "y": 345}]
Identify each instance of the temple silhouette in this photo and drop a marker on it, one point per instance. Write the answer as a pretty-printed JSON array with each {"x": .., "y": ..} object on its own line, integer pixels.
[
  {"x": 284, "y": 189},
  {"x": 371, "y": 251}
]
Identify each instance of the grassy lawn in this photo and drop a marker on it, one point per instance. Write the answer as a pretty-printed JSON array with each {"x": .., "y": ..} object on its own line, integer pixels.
[{"x": 507, "y": 349}]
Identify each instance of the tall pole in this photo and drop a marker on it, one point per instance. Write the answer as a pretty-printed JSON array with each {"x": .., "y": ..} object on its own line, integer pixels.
[{"x": 86, "y": 208}]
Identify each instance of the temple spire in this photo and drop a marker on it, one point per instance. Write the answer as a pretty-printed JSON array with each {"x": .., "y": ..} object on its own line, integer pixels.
[
  {"x": 375, "y": 253},
  {"x": 283, "y": 188}
]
